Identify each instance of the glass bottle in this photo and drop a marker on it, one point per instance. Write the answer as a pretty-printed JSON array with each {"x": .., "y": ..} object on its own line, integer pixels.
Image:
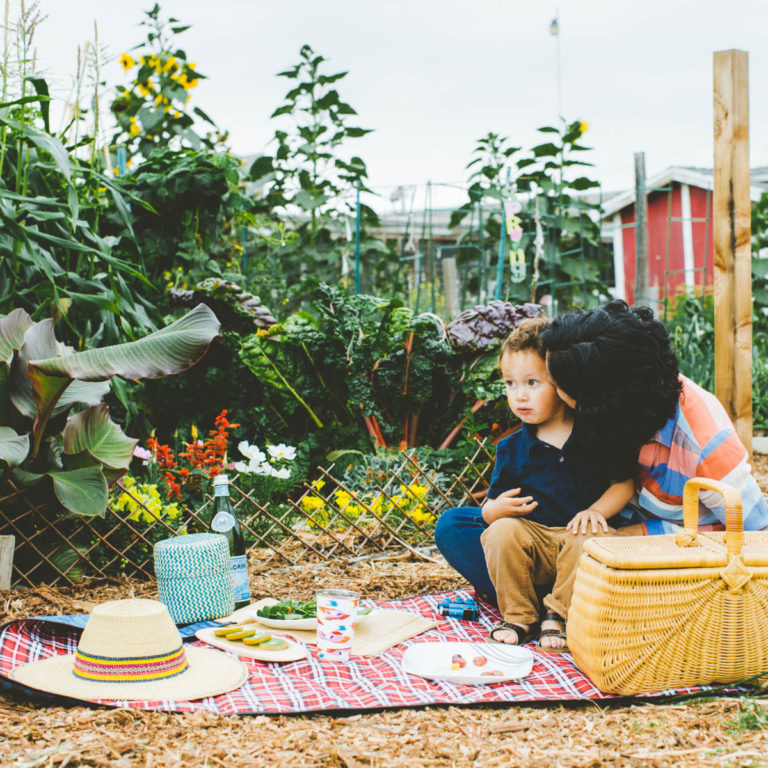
[{"x": 225, "y": 522}]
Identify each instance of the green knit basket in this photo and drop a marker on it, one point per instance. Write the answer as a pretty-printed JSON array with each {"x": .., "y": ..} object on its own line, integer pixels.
[{"x": 194, "y": 577}]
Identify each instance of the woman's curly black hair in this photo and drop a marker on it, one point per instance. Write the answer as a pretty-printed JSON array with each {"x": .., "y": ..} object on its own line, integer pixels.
[{"x": 619, "y": 366}]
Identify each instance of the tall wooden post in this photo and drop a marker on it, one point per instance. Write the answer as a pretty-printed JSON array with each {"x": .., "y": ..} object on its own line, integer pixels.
[
  {"x": 731, "y": 232},
  {"x": 641, "y": 232}
]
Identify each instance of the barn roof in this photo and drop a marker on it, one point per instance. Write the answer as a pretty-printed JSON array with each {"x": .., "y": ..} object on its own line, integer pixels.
[{"x": 694, "y": 177}]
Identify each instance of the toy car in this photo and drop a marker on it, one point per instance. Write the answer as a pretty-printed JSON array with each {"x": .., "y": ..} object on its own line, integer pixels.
[{"x": 459, "y": 608}]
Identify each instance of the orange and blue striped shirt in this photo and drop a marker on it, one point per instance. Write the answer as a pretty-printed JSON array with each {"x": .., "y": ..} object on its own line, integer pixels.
[{"x": 700, "y": 441}]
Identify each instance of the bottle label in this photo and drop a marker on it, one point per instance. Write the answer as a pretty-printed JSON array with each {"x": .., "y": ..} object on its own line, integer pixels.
[
  {"x": 220, "y": 490},
  {"x": 222, "y": 522},
  {"x": 240, "y": 578}
]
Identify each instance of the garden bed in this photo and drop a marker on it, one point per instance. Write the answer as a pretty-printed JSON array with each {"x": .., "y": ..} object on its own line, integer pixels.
[{"x": 705, "y": 732}]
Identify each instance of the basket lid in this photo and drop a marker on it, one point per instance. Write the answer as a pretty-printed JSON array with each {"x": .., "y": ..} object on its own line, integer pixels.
[
  {"x": 754, "y": 551},
  {"x": 193, "y": 555},
  {"x": 643, "y": 552},
  {"x": 640, "y": 552}
]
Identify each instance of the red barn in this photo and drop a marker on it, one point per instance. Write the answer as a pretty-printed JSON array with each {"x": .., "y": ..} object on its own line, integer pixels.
[{"x": 680, "y": 251}]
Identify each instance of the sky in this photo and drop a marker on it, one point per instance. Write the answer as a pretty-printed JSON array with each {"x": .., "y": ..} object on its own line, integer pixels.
[{"x": 432, "y": 76}]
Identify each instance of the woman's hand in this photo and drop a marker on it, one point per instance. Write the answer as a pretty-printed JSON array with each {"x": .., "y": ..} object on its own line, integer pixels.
[
  {"x": 508, "y": 504},
  {"x": 586, "y": 519}
]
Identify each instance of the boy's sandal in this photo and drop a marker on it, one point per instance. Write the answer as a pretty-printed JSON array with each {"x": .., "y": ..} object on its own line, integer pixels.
[
  {"x": 523, "y": 635},
  {"x": 552, "y": 616}
]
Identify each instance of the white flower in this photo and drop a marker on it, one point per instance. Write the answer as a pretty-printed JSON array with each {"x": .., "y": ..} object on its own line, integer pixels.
[
  {"x": 261, "y": 468},
  {"x": 283, "y": 473},
  {"x": 251, "y": 452},
  {"x": 282, "y": 451},
  {"x": 242, "y": 468}
]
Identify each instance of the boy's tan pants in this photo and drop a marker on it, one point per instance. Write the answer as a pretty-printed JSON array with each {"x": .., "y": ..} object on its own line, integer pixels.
[{"x": 522, "y": 555}]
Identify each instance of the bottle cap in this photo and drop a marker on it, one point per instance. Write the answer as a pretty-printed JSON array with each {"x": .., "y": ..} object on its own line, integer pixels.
[{"x": 220, "y": 480}]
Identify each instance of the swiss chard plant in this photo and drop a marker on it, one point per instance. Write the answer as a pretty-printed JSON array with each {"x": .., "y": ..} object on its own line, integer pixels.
[
  {"x": 362, "y": 360},
  {"x": 56, "y": 435}
]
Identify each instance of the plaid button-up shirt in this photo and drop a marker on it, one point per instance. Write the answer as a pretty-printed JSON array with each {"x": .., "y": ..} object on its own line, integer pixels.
[{"x": 699, "y": 441}]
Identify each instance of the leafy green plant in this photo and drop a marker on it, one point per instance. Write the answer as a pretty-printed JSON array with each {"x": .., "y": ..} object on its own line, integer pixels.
[
  {"x": 55, "y": 260},
  {"x": 571, "y": 265},
  {"x": 690, "y": 320},
  {"x": 360, "y": 360},
  {"x": 191, "y": 224},
  {"x": 311, "y": 177},
  {"x": 151, "y": 111},
  {"x": 71, "y": 457}
]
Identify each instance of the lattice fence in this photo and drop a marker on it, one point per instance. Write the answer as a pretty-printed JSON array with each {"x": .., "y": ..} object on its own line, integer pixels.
[{"x": 327, "y": 519}]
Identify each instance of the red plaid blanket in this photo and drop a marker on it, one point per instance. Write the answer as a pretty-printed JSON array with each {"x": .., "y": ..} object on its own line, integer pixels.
[{"x": 312, "y": 685}]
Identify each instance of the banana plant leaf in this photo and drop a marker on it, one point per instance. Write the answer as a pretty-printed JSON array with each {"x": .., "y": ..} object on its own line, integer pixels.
[
  {"x": 92, "y": 431},
  {"x": 170, "y": 350},
  {"x": 82, "y": 491},
  {"x": 12, "y": 329},
  {"x": 13, "y": 448}
]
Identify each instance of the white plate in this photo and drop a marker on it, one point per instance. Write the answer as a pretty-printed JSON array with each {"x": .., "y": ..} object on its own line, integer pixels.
[
  {"x": 293, "y": 652},
  {"x": 250, "y": 612},
  {"x": 433, "y": 661}
]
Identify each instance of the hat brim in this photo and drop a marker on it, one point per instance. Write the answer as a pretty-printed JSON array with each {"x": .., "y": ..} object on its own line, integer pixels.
[{"x": 209, "y": 673}]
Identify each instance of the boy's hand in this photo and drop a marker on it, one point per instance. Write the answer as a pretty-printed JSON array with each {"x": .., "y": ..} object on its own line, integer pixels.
[
  {"x": 508, "y": 504},
  {"x": 586, "y": 521}
]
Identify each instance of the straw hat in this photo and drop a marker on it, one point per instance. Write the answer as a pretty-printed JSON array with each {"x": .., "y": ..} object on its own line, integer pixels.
[{"x": 131, "y": 650}]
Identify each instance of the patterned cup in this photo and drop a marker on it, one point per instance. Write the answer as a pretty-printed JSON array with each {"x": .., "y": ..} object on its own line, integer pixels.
[{"x": 336, "y": 614}]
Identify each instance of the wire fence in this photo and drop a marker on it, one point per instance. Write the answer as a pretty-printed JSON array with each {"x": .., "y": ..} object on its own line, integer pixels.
[{"x": 327, "y": 519}]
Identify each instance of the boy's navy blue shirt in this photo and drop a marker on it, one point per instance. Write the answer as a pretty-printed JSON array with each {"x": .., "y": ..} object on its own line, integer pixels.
[{"x": 563, "y": 480}]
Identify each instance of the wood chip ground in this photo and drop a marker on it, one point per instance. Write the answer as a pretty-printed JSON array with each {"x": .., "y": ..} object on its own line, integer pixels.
[{"x": 723, "y": 732}]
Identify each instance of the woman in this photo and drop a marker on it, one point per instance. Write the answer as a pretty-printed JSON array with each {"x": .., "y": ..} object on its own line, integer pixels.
[{"x": 616, "y": 368}]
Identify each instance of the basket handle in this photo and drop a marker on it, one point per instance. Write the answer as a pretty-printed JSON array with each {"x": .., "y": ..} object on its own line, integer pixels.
[{"x": 734, "y": 527}]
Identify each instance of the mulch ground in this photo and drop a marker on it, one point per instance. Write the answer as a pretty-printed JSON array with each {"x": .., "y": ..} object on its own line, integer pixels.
[{"x": 719, "y": 732}]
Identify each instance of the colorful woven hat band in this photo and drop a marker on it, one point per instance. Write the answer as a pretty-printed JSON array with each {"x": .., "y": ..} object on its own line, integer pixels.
[{"x": 103, "y": 669}]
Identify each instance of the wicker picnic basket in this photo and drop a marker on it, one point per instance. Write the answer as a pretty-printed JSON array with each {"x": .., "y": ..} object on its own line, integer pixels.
[{"x": 656, "y": 612}]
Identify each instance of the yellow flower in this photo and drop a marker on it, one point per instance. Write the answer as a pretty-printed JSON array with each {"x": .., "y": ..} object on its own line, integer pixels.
[
  {"x": 171, "y": 65},
  {"x": 145, "y": 88},
  {"x": 342, "y": 498},
  {"x": 133, "y": 127},
  {"x": 583, "y": 127},
  {"x": 193, "y": 432},
  {"x": 126, "y": 61}
]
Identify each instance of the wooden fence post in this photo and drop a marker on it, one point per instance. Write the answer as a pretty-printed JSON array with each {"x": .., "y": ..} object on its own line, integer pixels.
[
  {"x": 731, "y": 232},
  {"x": 641, "y": 234},
  {"x": 7, "y": 544}
]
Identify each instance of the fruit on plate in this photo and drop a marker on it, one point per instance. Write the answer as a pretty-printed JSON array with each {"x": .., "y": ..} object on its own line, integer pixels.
[
  {"x": 480, "y": 661},
  {"x": 274, "y": 644},
  {"x": 229, "y": 630},
  {"x": 258, "y": 639}
]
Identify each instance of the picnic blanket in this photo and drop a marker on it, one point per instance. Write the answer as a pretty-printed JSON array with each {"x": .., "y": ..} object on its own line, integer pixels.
[{"x": 312, "y": 685}]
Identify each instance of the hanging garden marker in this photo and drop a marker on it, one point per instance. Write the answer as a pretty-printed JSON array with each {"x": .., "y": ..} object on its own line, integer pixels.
[{"x": 517, "y": 266}]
